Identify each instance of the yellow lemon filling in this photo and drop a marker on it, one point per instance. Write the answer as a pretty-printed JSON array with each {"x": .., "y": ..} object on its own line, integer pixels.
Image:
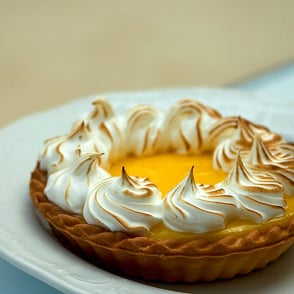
[{"x": 166, "y": 170}]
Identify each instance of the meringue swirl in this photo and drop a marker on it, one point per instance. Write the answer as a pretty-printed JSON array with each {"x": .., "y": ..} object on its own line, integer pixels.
[
  {"x": 60, "y": 151},
  {"x": 196, "y": 208},
  {"x": 68, "y": 187},
  {"x": 126, "y": 203},
  {"x": 104, "y": 125},
  {"x": 233, "y": 135},
  {"x": 278, "y": 165},
  {"x": 142, "y": 130},
  {"x": 259, "y": 196},
  {"x": 185, "y": 127},
  {"x": 99, "y": 133}
]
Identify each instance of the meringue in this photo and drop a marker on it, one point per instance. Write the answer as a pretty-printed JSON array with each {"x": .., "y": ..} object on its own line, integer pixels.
[
  {"x": 259, "y": 197},
  {"x": 259, "y": 164},
  {"x": 278, "y": 165},
  {"x": 69, "y": 187},
  {"x": 125, "y": 203},
  {"x": 192, "y": 207}
]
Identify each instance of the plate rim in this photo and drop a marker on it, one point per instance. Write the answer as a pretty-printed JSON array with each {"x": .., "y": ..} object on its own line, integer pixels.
[{"x": 34, "y": 270}]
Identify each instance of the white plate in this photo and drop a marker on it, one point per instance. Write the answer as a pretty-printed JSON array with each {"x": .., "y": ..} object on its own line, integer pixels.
[{"x": 24, "y": 243}]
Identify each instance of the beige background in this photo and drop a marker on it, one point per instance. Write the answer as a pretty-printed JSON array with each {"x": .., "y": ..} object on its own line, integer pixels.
[{"x": 54, "y": 51}]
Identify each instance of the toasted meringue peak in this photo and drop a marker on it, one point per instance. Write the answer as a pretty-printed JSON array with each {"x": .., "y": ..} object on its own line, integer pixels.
[
  {"x": 260, "y": 154},
  {"x": 185, "y": 127},
  {"x": 240, "y": 176},
  {"x": 196, "y": 208},
  {"x": 259, "y": 196},
  {"x": 142, "y": 130},
  {"x": 125, "y": 203},
  {"x": 69, "y": 186},
  {"x": 135, "y": 186},
  {"x": 246, "y": 130},
  {"x": 105, "y": 127},
  {"x": 102, "y": 110},
  {"x": 245, "y": 133},
  {"x": 60, "y": 151},
  {"x": 239, "y": 140},
  {"x": 279, "y": 166}
]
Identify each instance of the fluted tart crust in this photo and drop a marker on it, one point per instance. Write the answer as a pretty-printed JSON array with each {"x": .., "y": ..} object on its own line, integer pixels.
[{"x": 169, "y": 260}]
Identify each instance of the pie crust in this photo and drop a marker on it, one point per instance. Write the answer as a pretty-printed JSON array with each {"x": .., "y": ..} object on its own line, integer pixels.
[{"x": 170, "y": 260}]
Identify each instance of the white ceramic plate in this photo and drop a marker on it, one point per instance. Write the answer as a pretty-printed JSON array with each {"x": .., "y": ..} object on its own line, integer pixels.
[{"x": 24, "y": 243}]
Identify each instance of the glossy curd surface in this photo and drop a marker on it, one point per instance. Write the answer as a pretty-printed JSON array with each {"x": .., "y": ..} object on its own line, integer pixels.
[{"x": 166, "y": 170}]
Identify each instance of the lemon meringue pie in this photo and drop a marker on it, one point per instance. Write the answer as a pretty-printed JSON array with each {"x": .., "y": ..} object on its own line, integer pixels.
[{"x": 186, "y": 195}]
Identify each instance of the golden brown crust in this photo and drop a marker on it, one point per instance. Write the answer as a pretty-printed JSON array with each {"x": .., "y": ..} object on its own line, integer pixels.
[{"x": 167, "y": 260}]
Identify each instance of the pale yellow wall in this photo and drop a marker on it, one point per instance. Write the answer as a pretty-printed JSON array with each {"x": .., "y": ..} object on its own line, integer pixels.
[{"x": 55, "y": 51}]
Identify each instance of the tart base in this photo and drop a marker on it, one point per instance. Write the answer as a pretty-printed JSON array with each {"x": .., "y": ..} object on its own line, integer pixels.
[{"x": 161, "y": 260}]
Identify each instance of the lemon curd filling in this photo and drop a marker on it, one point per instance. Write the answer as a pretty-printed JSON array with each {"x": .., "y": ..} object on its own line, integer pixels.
[{"x": 166, "y": 170}]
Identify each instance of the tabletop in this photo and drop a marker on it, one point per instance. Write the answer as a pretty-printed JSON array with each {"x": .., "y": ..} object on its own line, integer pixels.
[{"x": 58, "y": 51}]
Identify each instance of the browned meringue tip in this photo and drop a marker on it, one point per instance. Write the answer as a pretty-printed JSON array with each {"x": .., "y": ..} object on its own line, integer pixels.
[
  {"x": 142, "y": 109},
  {"x": 97, "y": 100},
  {"x": 258, "y": 150},
  {"x": 90, "y": 157},
  {"x": 95, "y": 156},
  {"x": 79, "y": 127},
  {"x": 124, "y": 175},
  {"x": 237, "y": 170},
  {"x": 126, "y": 179},
  {"x": 123, "y": 171},
  {"x": 191, "y": 174},
  {"x": 102, "y": 109}
]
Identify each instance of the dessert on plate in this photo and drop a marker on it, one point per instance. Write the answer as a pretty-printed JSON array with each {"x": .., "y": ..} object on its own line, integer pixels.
[{"x": 179, "y": 196}]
